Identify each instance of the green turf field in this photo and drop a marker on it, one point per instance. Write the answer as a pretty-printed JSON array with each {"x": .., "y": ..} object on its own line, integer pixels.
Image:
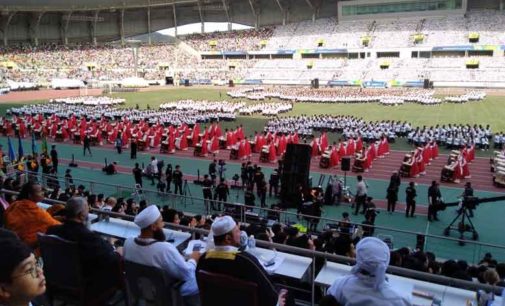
[{"x": 490, "y": 111}]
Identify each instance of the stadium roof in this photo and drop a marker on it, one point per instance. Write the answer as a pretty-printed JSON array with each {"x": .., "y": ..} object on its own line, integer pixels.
[{"x": 66, "y": 5}]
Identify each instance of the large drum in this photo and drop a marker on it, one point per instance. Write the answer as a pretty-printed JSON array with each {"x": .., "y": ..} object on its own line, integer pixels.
[
  {"x": 37, "y": 133},
  {"x": 198, "y": 150},
  {"x": 405, "y": 169},
  {"x": 77, "y": 138},
  {"x": 324, "y": 162},
  {"x": 234, "y": 153},
  {"x": 94, "y": 140},
  {"x": 164, "y": 147},
  {"x": 358, "y": 165},
  {"x": 59, "y": 136},
  {"x": 141, "y": 145},
  {"x": 222, "y": 143},
  {"x": 265, "y": 154},
  {"x": 447, "y": 174},
  {"x": 253, "y": 145}
]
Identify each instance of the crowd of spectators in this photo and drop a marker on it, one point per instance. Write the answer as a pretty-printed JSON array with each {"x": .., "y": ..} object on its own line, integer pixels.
[{"x": 238, "y": 40}]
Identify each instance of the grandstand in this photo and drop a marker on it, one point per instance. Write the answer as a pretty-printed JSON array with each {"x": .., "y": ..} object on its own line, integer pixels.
[{"x": 350, "y": 47}]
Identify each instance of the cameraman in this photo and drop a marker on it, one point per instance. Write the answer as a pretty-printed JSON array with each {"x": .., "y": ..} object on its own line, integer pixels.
[
  {"x": 213, "y": 171},
  {"x": 467, "y": 194},
  {"x": 410, "y": 196},
  {"x": 221, "y": 169},
  {"x": 207, "y": 191},
  {"x": 434, "y": 198},
  {"x": 370, "y": 214},
  {"x": 222, "y": 192},
  {"x": 274, "y": 183}
]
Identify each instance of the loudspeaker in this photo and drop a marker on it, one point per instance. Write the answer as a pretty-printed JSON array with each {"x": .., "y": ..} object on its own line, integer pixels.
[
  {"x": 315, "y": 83},
  {"x": 186, "y": 82},
  {"x": 169, "y": 81},
  {"x": 426, "y": 84},
  {"x": 295, "y": 173},
  {"x": 345, "y": 163},
  {"x": 230, "y": 83}
]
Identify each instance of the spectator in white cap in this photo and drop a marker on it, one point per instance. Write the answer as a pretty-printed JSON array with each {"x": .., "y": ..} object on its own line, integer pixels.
[
  {"x": 367, "y": 285},
  {"x": 152, "y": 249},
  {"x": 226, "y": 259}
]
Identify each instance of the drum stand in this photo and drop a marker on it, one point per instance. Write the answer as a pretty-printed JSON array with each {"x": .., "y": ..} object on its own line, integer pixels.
[{"x": 186, "y": 193}]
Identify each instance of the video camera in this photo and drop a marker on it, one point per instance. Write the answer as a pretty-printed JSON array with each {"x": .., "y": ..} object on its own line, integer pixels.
[{"x": 466, "y": 202}]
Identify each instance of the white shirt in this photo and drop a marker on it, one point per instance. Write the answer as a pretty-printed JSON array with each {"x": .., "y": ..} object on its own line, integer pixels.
[
  {"x": 350, "y": 290},
  {"x": 154, "y": 166},
  {"x": 165, "y": 256}
]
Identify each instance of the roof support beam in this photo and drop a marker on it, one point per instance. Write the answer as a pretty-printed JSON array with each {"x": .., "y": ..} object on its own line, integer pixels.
[
  {"x": 284, "y": 11},
  {"x": 226, "y": 8},
  {"x": 175, "y": 20},
  {"x": 255, "y": 11},
  {"x": 5, "y": 27},
  {"x": 34, "y": 27},
  {"x": 315, "y": 10},
  {"x": 65, "y": 21},
  {"x": 149, "y": 24},
  {"x": 93, "y": 27},
  {"x": 121, "y": 26},
  {"x": 200, "y": 13}
]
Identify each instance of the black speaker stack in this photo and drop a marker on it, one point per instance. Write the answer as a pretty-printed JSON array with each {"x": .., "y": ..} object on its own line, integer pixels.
[
  {"x": 345, "y": 163},
  {"x": 230, "y": 83},
  {"x": 314, "y": 83},
  {"x": 296, "y": 169},
  {"x": 186, "y": 82}
]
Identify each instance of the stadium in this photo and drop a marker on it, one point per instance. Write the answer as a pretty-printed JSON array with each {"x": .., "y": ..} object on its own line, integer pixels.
[{"x": 332, "y": 153}]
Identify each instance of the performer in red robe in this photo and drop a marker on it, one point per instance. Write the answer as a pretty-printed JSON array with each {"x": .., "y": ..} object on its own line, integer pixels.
[{"x": 272, "y": 155}]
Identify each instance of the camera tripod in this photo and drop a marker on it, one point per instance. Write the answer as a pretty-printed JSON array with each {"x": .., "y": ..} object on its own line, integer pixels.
[
  {"x": 186, "y": 191},
  {"x": 462, "y": 226}
]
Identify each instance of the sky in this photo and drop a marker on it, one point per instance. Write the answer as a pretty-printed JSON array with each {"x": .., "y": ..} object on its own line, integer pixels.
[{"x": 196, "y": 28}]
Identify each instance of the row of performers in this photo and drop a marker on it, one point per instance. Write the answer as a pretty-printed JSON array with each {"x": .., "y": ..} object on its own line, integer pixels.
[
  {"x": 415, "y": 162},
  {"x": 101, "y": 130},
  {"x": 364, "y": 155},
  {"x": 456, "y": 169}
]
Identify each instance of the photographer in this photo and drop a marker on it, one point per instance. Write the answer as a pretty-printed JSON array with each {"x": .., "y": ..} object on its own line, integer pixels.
[
  {"x": 434, "y": 198},
  {"x": 371, "y": 210},
  {"x": 243, "y": 175},
  {"x": 213, "y": 171},
  {"x": 221, "y": 169},
  {"x": 467, "y": 194},
  {"x": 410, "y": 196},
  {"x": 249, "y": 197},
  {"x": 222, "y": 192},
  {"x": 274, "y": 183},
  {"x": 207, "y": 191}
]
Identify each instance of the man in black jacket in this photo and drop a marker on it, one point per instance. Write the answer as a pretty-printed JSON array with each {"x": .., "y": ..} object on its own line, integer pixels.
[
  {"x": 100, "y": 263},
  {"x": 137, "y": 174},
  {"x": 54, "y": 158}
]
